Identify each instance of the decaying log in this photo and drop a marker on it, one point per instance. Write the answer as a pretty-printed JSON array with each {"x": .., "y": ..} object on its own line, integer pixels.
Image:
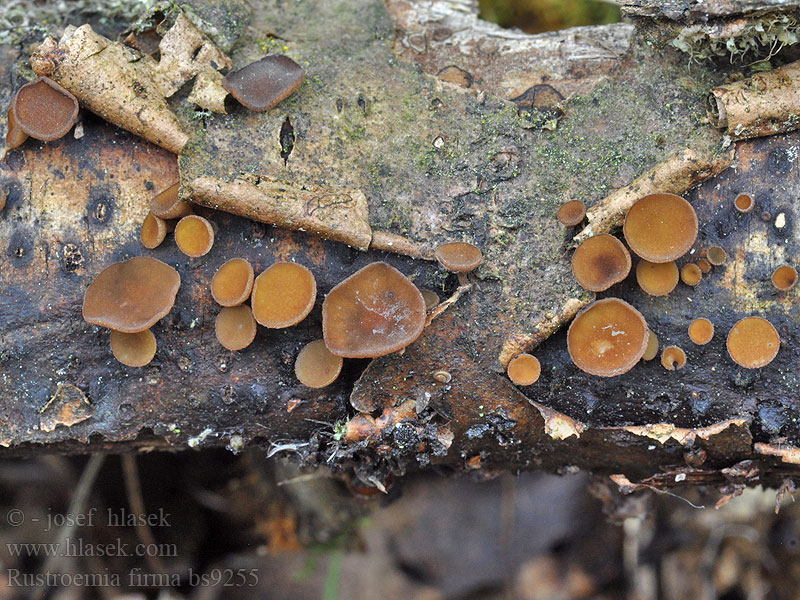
[{"x": 435, "y": 161}]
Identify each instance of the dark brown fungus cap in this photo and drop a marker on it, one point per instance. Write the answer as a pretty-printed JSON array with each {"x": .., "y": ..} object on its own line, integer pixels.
[
  {"x": 235, "y": 327},
  {"x": 652, "y": 346},
  {"x": 459, "y": 257},
  {"x": 607, "y": 338},
  {"x": 264, "y": 83},
  {"x": 701, "y": 331},
  {"x": 44, "y": 110},
  {"x": 167, "y": 205},
  {"x": 524, "y": 369},
  {"x": 133, "y": 349},
  {"x": 704, "y": 265},
  {"x": 753, "y": 342},
  {"x": 661, "y": 227},
  {"x": 131, "y": 296},
  {"x": 744, "y": 203},
  {"x": 194, "y": 236},
  {"x": 691, "y": 274},
  {"x": 283, "y": 295},
  {"x": 716, "y": 255},
  {"x": 15, "y": 136},
  {"x": 153, "y": 231},
  {"x": 784, "y": 278},
  {"x": 571, "y": 213},
  {"x": 375, "y": 311},
  {"x": 673, "y": 358},
  {"x": 316, "y": 366},
  {"x": 600, "y": 262},
  {"x": 657, "y": 279},
  {"x": 232, "y": 283}
]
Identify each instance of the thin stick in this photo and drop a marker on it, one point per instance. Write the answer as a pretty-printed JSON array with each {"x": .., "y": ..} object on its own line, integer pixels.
[{"x": 133, "y": 489}]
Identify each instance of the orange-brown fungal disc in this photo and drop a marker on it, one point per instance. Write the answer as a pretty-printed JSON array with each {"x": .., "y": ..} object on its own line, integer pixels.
[
  {"x": 264, "y": 83},
  {"x": 459, "y": 257},
  {"x": 716, "y": 255},
  {"x": 524, "y": 369},
  {"x": 235, "y": 327},
  {"x": 283, "y": 295},
  {"x": 131, "y": 296},
  {"x": 375, "y": 311},
  {"x": 153, "y": 231},
  {"x": 194, "y": 236},
  {"x": 600, "y": 262},
  {"x": 704, "y": 265},
  {"x": 652, "y": 346},
  {"x": 701, "y": 331},
  {"x": 753, "y": 342},
  {"x": 167, "y": 205},
  {"x": 15, "y": 136},
  {"x": 691, "y": 274},
  {"x": 661, "y": 227},
  {"x": 571, "y": 213},
  {"x": 44, "y": 110},
  {"x": 784, "y": 278},
  {"x": 431, "y": 298},
  {"x": 316, "y": 366},
  {"x": 607, "y": 338},
  {"x": 232, "y": 283},
  {"x": 744, "y": 203},
  {"x": 673, "y": 358},
  {"x": 657, "y": 279},
  {"x": 133, "y": 349}
]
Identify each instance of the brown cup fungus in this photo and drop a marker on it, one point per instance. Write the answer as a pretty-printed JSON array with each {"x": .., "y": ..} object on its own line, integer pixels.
[
  {"x": 194, "y": 236},
  {"x": 673, "y": 358},
  {"x": 44, "y": 110},
  {"x": 524, "y": 369},
  {"x": 167, "y": 205},
  {"x": 657, "y": 279},
  {"x": 716, "y": 255},
  {"x": 652, "y": 346},
  {"x": 571, "y": 213},
  {"x": 131, "y": 296},
  {"x": 753, "y": 342},
  {"x": 607, "y": 338},
  {"x": 784, "y": 278},
  {"x": 691, "y": 274},
  {"x": 133, "y": 349},
  {"x": 744, "y": 203},
  {"x": 661, "y": 227},
  {"x": 15, "y": 136},
  {"x": 374, "y": 312},
  {"x": 431, "y": 298},
  {"x": 704, "y": 265},
  {"x": 316, "y": 366},
  {"x": 235, "y": 327},
  {"x": 701, "y": 331},
  {"x": 264, "y": 83},
  {"x": 459, "y": 257},
  {"x": 283, "y": 295},
  {"x": 600, "y": 262},
  {"x": 232, "y": 283},
  {"x": 153, "y": 231}
]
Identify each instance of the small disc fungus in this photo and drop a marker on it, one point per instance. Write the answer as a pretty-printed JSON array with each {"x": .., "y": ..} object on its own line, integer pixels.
[
  {"x": 716, "y": 255},
  {"x": 652, "y": 346},
  {"x": 691, "y": 274},
  {"x": 701, "y": 331},
  {"x": 704, "y": 265},
  {"x": 753, "y": 342},
  {"x": 600, "y": 262},
  {"x": 459, "y": 257},
  {"x": 131, "y": 296},
  {"x": 571, "y": 213},
  {"x": 15, "y": 136},
  {"x": 232, "y": 283},
  {"x": 375, "y": 311},
  {"x": 133, "y": 349},
  {"x": 673, "y": 358},
  {"x": 194, "y": 236},
  {"x": 607, "y": 338},
  {"x": 660, "y": 227},
  {"x": 784, "y": 278},
  {"x": 153, "y": 231},
  {"x": 744, "y": 203},
  {"x": 264, "y": 83},
  {"x": 524, "y": 369},
  {"x": 167, "y": 205},
  {"x": 235, "y": 327},
  {"x": 431, "y": 298},
  {"x": 657, "y": 279},
  {"x": 316, "y": 366},
  {"x": 44, "y": 110},
  {"x": 283, "y": 295}
]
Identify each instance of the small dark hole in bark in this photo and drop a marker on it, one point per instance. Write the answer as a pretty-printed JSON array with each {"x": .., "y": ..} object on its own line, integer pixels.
[{"x": 287, "y": 139}]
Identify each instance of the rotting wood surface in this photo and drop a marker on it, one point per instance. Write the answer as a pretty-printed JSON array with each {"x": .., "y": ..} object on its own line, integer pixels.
[{"x": 436, "y": 162}]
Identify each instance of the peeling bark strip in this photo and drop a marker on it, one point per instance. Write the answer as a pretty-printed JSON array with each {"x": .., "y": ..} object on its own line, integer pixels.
[{"x": 764, "y": 104}]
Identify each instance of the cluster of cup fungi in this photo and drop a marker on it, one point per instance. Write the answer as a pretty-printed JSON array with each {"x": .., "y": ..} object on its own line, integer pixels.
[{"x": 609, "y": 337}]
